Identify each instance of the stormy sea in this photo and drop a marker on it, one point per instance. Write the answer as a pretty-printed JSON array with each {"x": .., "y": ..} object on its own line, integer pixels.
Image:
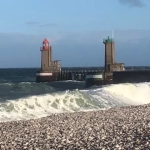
[
  {"x": 64, "y": 115},
  {"x": 22, "y": 98}
]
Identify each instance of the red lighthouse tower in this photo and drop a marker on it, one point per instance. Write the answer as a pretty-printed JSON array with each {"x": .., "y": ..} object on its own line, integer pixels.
[
  {"x": 46, "y": 55},
  {"x": 49, "y": 68}
]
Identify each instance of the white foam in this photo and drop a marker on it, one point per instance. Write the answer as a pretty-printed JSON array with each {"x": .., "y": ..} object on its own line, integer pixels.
[
  {"x": 130, "y": 94},
  {"x": 69, "y": 101},
  {"x": 43, "y": 105},
  {"x": 134, "y": 94}
]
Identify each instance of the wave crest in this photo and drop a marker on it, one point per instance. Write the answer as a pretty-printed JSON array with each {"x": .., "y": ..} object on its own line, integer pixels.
[{"x": 78, "y": 100}]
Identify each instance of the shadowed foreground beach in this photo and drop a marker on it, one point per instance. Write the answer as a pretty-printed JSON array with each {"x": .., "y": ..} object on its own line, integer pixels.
[{"x": 116, "y": 128}]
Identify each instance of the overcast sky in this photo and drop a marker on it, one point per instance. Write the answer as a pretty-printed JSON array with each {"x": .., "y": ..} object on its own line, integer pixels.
[{"x": 75, "y": 29}]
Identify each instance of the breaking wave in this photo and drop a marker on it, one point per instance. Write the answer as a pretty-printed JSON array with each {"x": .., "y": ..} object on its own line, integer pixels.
[{"x": 98, "y": 98}]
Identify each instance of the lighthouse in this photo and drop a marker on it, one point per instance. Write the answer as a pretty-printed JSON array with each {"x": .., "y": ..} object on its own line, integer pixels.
[
  {"x": 49, "y": 69},
  {"x": 109, "y": 53},
  {"x": 110, "y": 64},
  {"x": 46, "y": 55}
]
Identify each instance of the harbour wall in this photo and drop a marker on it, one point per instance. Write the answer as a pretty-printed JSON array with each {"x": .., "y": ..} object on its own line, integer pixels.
[{"x": 131, "y": 76}]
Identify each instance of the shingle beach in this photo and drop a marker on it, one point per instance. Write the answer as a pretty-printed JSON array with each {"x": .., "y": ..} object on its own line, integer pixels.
[{"x": 124, "y": 128}]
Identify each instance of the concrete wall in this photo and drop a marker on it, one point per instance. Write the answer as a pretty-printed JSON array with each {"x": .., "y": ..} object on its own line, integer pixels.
[
  {"x": 131, "y": 76},
  {"x": 116, "y": 67},
  {"x": 109, "y": 54},
  {"x": 46, "y": 61}
]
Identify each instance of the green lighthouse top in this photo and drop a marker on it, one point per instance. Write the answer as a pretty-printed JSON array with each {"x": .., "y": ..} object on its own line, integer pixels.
[{"x": 108, "y": 40}]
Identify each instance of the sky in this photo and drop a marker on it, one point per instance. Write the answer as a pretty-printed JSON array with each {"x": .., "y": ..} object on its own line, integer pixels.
[{"x": 75, "y": 29}]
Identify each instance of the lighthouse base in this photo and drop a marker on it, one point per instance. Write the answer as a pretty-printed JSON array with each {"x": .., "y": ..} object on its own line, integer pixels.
[{"x": 46, "y": 76}]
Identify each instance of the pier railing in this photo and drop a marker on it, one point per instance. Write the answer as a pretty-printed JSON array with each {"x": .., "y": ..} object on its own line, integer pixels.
[{"x": 78, "y": 75}]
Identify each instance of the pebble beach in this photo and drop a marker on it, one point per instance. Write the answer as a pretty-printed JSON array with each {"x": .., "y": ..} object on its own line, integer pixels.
[{"x": 124, "y": 128}]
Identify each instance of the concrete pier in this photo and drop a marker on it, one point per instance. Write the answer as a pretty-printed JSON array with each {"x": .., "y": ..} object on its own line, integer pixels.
[{"x": 113, "y": 72}]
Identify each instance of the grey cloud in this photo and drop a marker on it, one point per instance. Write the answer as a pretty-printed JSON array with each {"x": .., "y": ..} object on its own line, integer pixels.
[
  {"x": 38, "y": 24},
  {"x": 133, "y": 3},
  {"x": 75, "y": 49},
  {"x": 48, "y": 25}
]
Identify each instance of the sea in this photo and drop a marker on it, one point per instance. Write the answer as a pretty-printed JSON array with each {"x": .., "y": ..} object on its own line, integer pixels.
[{"x": 21, "y": 98}]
